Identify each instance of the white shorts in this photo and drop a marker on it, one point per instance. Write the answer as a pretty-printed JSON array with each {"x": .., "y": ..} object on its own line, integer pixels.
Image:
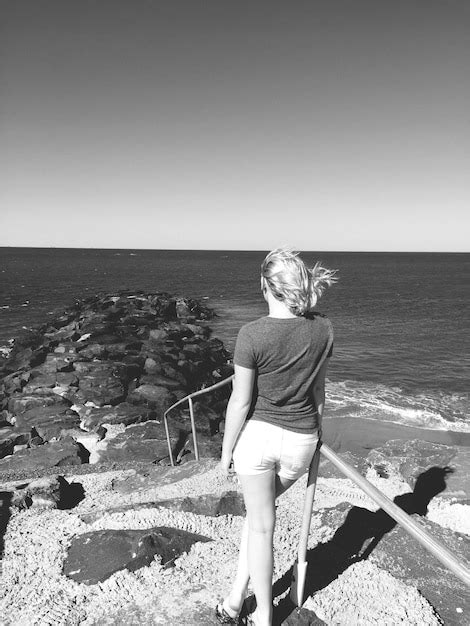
[{"x": 262, "y": 447}]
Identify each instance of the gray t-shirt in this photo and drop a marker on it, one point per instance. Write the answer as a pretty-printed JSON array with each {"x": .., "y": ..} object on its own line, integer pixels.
[{"x": 286, "y": 354}]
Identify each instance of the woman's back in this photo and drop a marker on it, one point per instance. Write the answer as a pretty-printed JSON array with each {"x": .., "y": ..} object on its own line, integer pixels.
[{"x": 286, "y": 354}]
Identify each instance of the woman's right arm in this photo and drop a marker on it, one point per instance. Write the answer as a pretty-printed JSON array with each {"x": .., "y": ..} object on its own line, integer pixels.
[
  {"x": 237, "y": 410},
  {"x": 319, "y": 393}
]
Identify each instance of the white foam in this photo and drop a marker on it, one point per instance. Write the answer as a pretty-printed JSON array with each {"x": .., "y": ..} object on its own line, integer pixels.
[{"x": 435, "y": 410}]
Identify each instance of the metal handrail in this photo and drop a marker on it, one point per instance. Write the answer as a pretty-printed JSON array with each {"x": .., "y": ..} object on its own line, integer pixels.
[
  {"x": 189, "y": 399},
  {"x": 433, "y": 546}
]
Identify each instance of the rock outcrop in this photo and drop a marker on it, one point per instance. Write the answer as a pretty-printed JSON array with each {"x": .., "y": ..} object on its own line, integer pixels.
[{"x": 113, "y": 360}]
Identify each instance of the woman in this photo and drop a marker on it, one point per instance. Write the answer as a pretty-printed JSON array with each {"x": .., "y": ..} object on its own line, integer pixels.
[{"x": 274, "y": 414}]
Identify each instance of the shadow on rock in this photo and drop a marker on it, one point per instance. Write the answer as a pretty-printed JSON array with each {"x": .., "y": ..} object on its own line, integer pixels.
[
  {"x": 95, "y": 556},
  {"x": 70, "y": 494},
  {"x": 5, "y": 502},
  {"x": 328, "y": 560}
]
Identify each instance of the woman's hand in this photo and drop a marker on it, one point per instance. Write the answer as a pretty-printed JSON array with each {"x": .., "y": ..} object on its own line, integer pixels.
[{"x": 225, "y": 462}]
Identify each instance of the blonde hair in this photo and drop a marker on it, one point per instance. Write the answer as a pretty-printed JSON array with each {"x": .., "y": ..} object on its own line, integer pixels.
[{"x": 291, "y": 282}]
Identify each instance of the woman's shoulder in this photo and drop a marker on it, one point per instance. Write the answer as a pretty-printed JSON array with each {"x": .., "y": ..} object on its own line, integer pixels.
[{"x": 253, "y": 325}]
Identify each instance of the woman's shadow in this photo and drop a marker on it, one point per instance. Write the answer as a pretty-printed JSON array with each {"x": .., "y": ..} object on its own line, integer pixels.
[{"x": 350, "y": 542}]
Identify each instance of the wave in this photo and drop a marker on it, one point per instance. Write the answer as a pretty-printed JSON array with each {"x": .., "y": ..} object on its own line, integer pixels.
[{"x": 432, "y": 410}]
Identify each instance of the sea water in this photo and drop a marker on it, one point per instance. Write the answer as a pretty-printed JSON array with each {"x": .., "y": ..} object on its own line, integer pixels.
[{"x": 401, "y": 320}]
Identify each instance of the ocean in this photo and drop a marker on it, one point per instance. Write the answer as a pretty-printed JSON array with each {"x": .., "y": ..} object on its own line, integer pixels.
[{"x": 401, "y": 320}]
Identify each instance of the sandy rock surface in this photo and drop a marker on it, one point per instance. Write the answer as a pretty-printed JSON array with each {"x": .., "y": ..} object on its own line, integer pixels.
[{"x": 36, "y": 591}]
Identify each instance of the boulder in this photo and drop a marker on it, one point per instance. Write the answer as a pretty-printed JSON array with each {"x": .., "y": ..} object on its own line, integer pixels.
[
  {"x": 67, "y": 333},
  {"x": 155, "y": 396},
  {"x": 406, "y": 559},
  {"x": 41, "y": 493},
  {"x": 11, "y": 437},
  {"x": 41, "y": 383},
  {"x": 95, "y": 556},
  {"x": 161, "y": 381},
  {"x": 117, "y": 359},
  {"x": 60, "y": 362},
  {"x": 157, "y": 476},
  {"x": 44, "y": 415},
  {"x": 123, "y": 413},
  {"x": 54, "y": 454},
  {"x": 227, "y": 503},
  {"x": 93, "y": 351},
  {"x": 157, "y": 334},
  {"x": 58, "y": 428},
  {"x": 18, "y": 403},
  {"x": 24, "y": 359},
  {"x": 98, "y": 384},
  {"x": 14, "y": 382},
  {"x": 143, "y": 442}
]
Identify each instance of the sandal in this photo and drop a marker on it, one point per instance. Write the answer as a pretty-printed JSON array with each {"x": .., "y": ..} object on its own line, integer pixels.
[{"x": 223, "y": 617}]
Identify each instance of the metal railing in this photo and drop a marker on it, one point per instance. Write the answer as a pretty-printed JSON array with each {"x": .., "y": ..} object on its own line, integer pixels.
[
  {"x": 189, "y": 399},
  {"x": 445, "y": 556}
]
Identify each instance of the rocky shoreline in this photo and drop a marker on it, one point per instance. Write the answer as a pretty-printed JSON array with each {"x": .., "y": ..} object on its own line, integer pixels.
[
  {"x": 97, "y": 528},
  {"x": 91, "y": 386}
]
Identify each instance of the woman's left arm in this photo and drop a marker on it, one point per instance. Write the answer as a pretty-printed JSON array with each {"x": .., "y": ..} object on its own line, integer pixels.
[
  {"x": 237, "y": 410},
  {"x": 319, "y": 394}
]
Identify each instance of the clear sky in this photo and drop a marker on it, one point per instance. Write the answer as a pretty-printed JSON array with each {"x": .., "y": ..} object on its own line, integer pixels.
[{"x": 328, "y": 125}]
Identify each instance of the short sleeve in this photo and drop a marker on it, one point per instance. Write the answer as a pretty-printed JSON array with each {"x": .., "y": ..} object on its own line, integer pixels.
[{"x": 244, "y": 354}]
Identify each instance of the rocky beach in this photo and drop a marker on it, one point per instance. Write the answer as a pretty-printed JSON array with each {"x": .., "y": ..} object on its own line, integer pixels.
[{"x": 97, "y": 528}]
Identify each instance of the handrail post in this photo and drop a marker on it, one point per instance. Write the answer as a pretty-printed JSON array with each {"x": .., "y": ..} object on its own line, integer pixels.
[
  {"x": 193, "y": 427},
  {"x": 168, "y": 440}
]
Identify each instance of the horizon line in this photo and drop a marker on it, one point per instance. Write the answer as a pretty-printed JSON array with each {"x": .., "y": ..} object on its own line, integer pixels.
[{"x": 234, "y": 250}]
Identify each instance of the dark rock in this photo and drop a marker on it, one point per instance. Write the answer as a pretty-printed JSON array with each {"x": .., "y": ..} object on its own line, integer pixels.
[
  {"x": 60, "y": 362},
  {"x": 68, "y": 348},
  {"x": 207, "y": 448},
  {"x": 156, "y": 397},
  {"x": 94, "y": 356},
  {"x": 228, "y": 503},
  {"x": 68, "y": 332},
  {"x": 40, "y": 385},
  {"x": 199, "y": 331},
  {"x": 125, "y": 449},
  {"x": 411, "y": 458},
  {"x": 157, "y": 476},
  {"x": 98, "y": 383},
  {"x": 19, "y": 403},
  {"x": 157, "y": 335},
  {"x": 123, "y": 413},
  {"x": 152, "y": 366},
  {"x": 54, "y": 454},
  {"x": 40, "y": 493},
  {"x": 58, "y": 428},
  {"x": 93, "y": 351},
  {"x": 402, "y": 556},
  {"x": 40, "y": 382},
  {"x": 11, "y": 437},
  {"x": 44, "y": 415},
  {"x": 14, "y": 382},
  {"x": 95, "y": 556},
  {"x": 161, "y": 381},
  {"x": 127, "y": 370},
  {"x": 143, "y": 442}
]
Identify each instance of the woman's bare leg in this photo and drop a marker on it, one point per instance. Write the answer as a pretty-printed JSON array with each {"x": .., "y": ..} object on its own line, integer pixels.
[
  {"x": 259, "y": 495},
  {"x": 237, "y": 594}
]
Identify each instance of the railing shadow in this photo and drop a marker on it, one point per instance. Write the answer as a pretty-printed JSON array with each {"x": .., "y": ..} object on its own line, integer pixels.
[
  {"x": 349, "y": 544},
  {"x": 5, "y": 502}
]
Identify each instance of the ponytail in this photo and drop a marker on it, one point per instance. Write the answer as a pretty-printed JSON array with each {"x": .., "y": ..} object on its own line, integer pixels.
[{"x": 291, "y": 282}]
